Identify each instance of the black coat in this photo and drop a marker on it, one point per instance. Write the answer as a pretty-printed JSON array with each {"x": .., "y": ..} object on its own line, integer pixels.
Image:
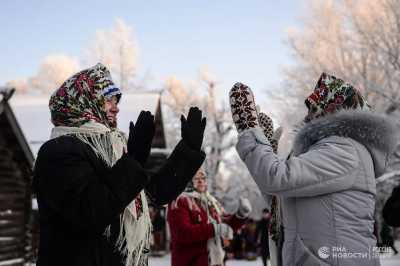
[
  {"x": 391, "y": 210},
  {"x": 79, "y": 196}
]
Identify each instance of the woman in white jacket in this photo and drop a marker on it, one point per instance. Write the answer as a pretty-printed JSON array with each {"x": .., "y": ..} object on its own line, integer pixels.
[{"x": 327, "y": 186}]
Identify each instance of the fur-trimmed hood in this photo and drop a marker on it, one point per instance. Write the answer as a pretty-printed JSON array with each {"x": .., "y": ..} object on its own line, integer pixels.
[{"x": 378, "y": 133}]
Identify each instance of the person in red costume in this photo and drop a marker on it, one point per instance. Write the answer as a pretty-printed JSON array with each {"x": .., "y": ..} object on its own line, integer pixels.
[{"x": 198, "y": 225}]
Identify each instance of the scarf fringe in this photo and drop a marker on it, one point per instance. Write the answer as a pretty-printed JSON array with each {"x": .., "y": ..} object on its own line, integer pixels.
[
  {"x": 133, "y": 241},
  {"x": 134, "y": 237}
]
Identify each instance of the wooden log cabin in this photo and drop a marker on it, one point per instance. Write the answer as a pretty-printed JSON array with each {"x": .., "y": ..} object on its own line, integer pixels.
[{"x": 16, "y": 161}]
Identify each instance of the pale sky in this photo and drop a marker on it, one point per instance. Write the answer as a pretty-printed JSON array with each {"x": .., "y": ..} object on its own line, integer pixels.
[{"x": 237, "y": 40}]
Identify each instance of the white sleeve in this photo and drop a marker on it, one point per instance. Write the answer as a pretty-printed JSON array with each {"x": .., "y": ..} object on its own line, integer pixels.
[{"x": 327, "y": 167}]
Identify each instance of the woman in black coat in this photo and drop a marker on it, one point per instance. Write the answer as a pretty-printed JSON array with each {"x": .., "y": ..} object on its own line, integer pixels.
[{"x": 90, "y": 181}]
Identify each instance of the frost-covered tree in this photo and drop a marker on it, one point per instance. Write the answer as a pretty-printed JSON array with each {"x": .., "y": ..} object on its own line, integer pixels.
[
  {"x": 117, "y": 49},
  {"x": 179, "y": 98},
  {"x": 21, "y": 85},
  {"x": 354, "y": 40},
  {"x": 228, "y": 178},
  {"x": 220, "y": 132},
  {"x": 53, "y": 71}
]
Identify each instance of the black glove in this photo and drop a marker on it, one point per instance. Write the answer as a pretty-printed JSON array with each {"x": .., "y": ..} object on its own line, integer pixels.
[
  {"x": 141, "y": 136},
  {"x": 192, "y": 128}
]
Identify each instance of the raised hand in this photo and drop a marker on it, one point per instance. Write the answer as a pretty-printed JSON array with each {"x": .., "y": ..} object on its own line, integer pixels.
[
  {"x": 141, "y": 136},
  {"x": 266, "y": 124},
  {"x": 243, "y": 107},
  {"x": 192, "y": 128}
]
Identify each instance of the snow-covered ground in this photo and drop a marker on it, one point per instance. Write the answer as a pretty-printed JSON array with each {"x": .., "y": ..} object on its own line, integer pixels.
[
  {"x": 388, "y": 260},
  {"x": 166, "y": 260}
]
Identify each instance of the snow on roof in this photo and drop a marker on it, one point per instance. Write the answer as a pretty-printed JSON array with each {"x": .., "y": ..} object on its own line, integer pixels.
[
  {"x": 33, "y": 115},
  {"x": 131, "y": 105}
]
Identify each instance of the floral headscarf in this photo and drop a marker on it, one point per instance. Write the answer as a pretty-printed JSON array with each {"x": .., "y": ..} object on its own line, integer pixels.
[
  {"x": 81, "y": 98},
  {"x": 332, "y": 94}
]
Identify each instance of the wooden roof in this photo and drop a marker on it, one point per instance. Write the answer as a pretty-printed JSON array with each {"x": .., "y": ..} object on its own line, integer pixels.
[{"x": 11, "y": 130}]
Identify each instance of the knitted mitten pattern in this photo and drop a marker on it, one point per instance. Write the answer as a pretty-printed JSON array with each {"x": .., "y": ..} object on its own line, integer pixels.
[{"x": 243, "y": 107}]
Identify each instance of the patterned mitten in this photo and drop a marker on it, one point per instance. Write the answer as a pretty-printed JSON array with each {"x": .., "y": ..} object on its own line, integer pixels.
[
  {"x": 268, "y": 128},
  {"x": 243, "y": 107},
  {"x": 266, "y": 124}
]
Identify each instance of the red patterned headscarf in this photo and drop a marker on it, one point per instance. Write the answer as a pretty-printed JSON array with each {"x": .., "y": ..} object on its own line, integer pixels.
[
  {"x": 332, "y": 94},
  {"x": 81, "y": 98}
]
